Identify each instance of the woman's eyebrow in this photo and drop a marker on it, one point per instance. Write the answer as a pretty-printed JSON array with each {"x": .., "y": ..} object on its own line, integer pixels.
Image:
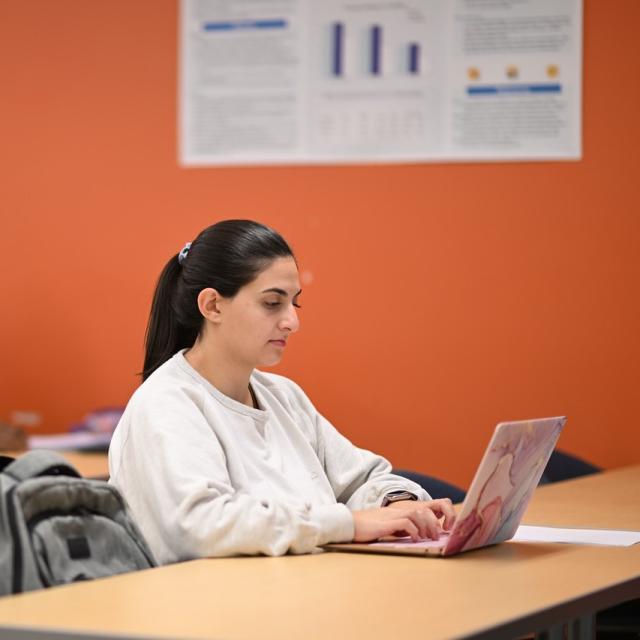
[{"x": 281, "y": 292}]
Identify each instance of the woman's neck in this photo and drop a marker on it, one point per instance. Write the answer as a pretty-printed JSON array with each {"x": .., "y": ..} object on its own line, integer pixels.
[{"x": 227, "y": 377}]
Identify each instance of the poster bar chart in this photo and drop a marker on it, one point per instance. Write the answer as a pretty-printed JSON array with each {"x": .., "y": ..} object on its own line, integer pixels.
[{"x": 371, "y": 57}]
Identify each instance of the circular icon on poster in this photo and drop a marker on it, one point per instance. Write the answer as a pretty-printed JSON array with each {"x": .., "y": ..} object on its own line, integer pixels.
[
  {"x": 473, "y": 73},
  {"x": 512, "y": 72},
  {"x": 553, "y": 71}
]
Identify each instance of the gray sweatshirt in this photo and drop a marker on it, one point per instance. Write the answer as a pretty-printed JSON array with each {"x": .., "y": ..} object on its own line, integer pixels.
[{"x": 205, "y": 475}]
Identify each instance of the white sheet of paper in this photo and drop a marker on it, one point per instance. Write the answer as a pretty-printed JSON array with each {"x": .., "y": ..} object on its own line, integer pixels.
[{"x": 610, "y": 537}]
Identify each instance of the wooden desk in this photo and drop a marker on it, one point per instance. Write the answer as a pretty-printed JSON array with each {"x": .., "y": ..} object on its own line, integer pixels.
[
  {"x": 89, "y": 465},
  {"x": 498, "y": 592}
]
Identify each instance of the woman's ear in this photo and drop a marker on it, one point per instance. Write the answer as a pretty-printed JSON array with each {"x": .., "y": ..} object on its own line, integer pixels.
[{"x": 209, "y": 304}]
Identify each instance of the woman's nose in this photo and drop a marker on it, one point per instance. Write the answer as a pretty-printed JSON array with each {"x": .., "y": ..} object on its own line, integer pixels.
[{"x": 290, "y": 321}]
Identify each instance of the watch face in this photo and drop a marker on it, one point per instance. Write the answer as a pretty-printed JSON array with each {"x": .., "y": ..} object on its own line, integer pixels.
[{"x": 397, "y": 496}]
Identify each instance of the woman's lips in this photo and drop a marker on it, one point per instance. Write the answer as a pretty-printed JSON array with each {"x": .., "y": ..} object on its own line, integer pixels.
[{"x": 279, "y": 343}]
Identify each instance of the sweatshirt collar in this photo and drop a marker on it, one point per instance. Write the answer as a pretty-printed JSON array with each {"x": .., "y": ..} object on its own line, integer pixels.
[{"x": 230, "y": 403}]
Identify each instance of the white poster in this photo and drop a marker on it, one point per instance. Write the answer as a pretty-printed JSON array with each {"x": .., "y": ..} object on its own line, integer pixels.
[{"x": 341, "y": 81}]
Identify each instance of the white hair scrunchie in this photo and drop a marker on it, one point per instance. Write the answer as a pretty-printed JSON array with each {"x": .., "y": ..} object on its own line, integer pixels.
[{"x": 183, "y": 254}]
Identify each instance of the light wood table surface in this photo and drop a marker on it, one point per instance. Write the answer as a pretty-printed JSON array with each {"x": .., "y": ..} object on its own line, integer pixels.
[
  {"x": 497, "y": 592},
  {"x": 88, "y": 464}
]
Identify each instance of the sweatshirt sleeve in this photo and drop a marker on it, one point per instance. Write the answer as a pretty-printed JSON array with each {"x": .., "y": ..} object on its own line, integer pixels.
[
  {"x": 172, "y": 471},
  {"x": 360, "y": 479}
]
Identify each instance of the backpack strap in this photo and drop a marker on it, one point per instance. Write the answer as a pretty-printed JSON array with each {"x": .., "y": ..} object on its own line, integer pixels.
[
  {"x": 5, "y": 461},
  {"x": 39, "y": 463}
]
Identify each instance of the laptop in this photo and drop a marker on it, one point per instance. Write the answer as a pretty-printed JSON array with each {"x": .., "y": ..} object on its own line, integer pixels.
[{"x": 498, "y": 497}]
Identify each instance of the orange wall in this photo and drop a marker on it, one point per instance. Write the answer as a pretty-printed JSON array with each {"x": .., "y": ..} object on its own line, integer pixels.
[{"x": 444, "y": 297}]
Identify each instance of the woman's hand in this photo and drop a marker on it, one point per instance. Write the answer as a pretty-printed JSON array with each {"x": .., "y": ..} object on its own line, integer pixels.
[
  {"x": 414, "y": 518},
  {"x": 432, "y": 511}
]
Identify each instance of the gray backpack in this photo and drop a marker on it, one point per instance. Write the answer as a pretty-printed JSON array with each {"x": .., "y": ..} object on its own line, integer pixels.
[{"x": 56, "y": 527}]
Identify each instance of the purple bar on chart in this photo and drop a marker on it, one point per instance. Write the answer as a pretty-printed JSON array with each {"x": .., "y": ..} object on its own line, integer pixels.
[
  {"x": 338, "y": 48},
  {"x": 414, "y": 58},
  {"x": 376, "y": 50}
]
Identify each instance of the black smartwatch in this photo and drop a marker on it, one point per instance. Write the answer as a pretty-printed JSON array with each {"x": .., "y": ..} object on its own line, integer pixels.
[{"x": 397, "y": 496}]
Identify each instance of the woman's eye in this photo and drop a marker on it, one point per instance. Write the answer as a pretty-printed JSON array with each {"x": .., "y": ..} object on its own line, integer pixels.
[{"x": 276, "y": 304}]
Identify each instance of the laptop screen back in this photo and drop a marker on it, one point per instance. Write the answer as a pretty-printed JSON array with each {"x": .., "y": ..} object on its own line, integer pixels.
[{"x": 504, "y": 483}]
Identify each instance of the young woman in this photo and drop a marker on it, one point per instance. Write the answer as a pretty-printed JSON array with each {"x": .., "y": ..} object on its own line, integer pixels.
[{"x": 216, "y": 457}]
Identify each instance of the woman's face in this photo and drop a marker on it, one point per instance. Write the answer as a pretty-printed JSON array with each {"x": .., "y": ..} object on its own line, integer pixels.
[{"x": 258, "y": 320}]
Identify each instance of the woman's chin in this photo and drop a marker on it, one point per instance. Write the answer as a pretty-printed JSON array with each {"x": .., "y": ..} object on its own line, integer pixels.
[{"x": 270, "y": 361}]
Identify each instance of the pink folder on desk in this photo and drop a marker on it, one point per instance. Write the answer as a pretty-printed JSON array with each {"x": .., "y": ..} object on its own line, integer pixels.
[{"x": 499, "y": 494}]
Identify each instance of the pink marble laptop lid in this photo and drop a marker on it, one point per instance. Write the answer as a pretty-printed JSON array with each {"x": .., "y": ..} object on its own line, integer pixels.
[{"x": 506, "y": 478}]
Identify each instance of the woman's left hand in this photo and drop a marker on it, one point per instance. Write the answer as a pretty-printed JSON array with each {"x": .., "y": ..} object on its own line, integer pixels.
[{"x": 431, "y": 511}]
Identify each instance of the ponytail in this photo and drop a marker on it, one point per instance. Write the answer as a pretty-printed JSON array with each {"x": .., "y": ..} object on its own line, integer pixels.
[
  {"x": 225, "y": 256},
  {"x": 165, "y": 333}
]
